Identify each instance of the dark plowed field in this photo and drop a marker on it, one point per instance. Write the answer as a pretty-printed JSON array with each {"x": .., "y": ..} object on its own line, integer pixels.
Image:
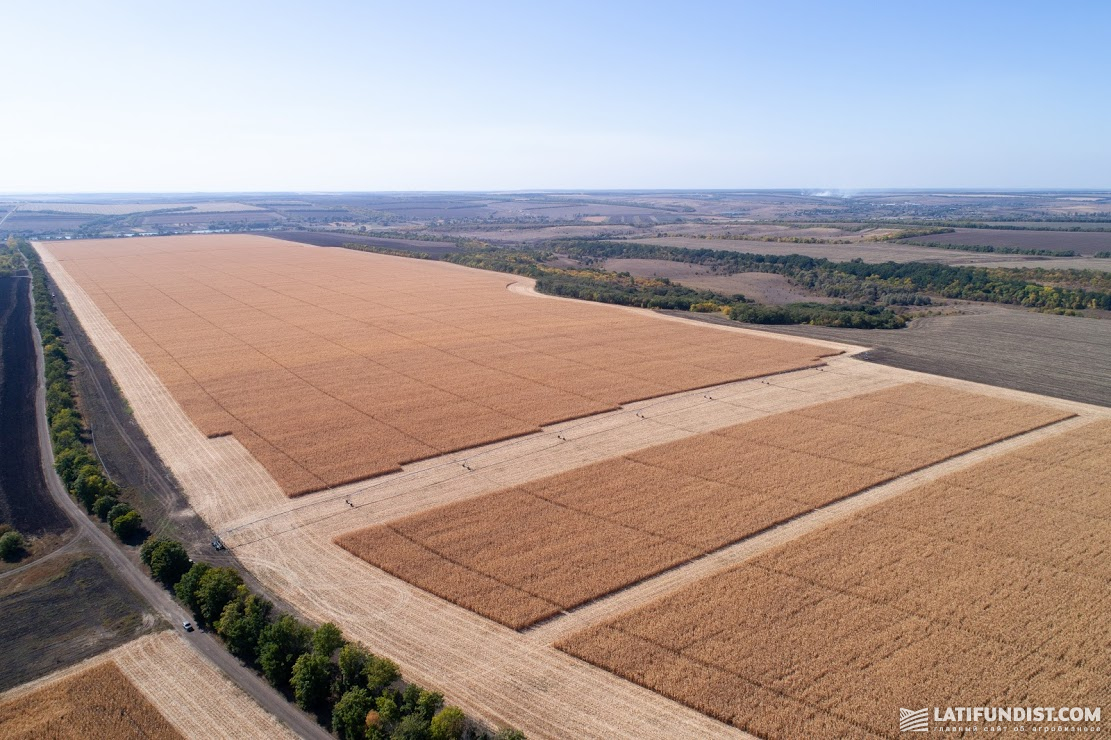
[
  {"x": 1060, "y": 356},
  {"x": 333, "y": 239},
  {"x": 24, "y": 500},
  {"x": 1081, "y": 242}
]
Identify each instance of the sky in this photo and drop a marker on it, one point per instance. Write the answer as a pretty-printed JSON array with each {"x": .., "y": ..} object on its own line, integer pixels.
[{"x": 119, "y": 96}]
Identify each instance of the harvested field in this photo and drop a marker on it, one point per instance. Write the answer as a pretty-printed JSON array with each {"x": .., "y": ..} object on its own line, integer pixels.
[
  {"x": 523, "y": 554},
  {"x": 1081, "y": 242},
  {"x": 61, "y": 611},
  {"x": 939, "y": 597},
  {"x": 98, "y": 702},
  {"x": 184, "y": 695},
  {"x": 332, "y": 366}
]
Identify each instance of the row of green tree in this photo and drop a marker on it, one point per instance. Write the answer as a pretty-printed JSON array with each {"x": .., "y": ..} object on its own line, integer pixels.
[
  {"x": 998, "y": 250},
  {"x": 846, "y": 316},
  {"x": 591, "y": 284},
  {"x": 872, "y": 283},
  {"x": 359, "y": 695},
  {"x": 78, "y": 468}
]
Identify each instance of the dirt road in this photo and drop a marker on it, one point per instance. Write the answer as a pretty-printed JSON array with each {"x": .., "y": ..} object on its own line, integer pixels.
[{"x": 155, "y": 595}]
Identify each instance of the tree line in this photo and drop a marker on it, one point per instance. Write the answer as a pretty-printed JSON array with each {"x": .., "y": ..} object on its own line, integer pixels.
[
  {"x": 356, "y": 694},
  {"x": 874, "y": 283},
  {"x": 79, "y": 469}
]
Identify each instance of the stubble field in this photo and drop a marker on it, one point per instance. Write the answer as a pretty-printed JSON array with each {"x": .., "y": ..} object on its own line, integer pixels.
[
  {"x": 332, "y": 366},
  {"x": 156, "y": 686},
  {"x": 98, "y": 702},
  {"x": 526, "y": 553},
  {"x": 938, "y": 597}
]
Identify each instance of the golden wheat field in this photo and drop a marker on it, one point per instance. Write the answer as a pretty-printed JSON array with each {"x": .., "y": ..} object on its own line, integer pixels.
[
  {"x": 525, "y": 553},
  {"x": 97, "y": 702},
  {"x": 989, "y": 587},
  {"x": 331, "y": 365}
]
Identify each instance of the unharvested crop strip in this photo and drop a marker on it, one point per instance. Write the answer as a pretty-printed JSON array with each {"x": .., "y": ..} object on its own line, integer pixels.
[
  {"x": 698, "y": 494},
  {"x": 912, "y": 602},
  {"x": 212, "y": 314}
]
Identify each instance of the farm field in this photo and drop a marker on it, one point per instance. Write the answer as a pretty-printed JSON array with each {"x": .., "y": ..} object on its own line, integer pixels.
[
  {"x": 526, "y": 553},
  {"x": 1060, "y": 356},
  {"x": 25, "y": 503},
  {"x": 61, "y": 610},
  {"x": 1082, "y": 242},
  {"x": 332, "y": 366},
  {"x": 886, "y": 251},
  {"x": 121, "y": 209},
  {"x": 762, "y": 287},
  {"x": 98, "y": 702},
  {"x": 155, "y": 686},
  {"x": 937, "y": 597},
  {"x": 494, "y": 673}
]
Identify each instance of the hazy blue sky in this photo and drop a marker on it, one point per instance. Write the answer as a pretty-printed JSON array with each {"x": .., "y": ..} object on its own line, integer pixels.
[{"x": 129, "y": 96}]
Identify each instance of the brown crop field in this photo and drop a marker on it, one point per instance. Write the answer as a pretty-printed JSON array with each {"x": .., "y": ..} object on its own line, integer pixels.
[
  {"x": 526, "y": 553},
  {"x": 332, "y": 366},
  {"x": 97, "y": 702},
  {"x": 989, "y": 587}
]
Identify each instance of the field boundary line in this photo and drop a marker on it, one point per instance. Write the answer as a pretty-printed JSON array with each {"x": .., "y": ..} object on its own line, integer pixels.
[{"x": 555, "y": 628}]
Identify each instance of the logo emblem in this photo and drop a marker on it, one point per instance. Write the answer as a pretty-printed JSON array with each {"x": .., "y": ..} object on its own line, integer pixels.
[{"x": 914, "y": 720}]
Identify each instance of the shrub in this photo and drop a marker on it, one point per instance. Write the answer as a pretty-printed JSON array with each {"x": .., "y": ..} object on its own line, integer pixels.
[{"x": 11, "y": 546}]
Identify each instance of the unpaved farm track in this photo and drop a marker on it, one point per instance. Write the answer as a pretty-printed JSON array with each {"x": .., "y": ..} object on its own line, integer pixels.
[{"x": 492, "y": 672}]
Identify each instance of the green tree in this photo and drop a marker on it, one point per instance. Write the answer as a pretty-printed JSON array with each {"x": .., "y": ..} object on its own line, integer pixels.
[
  {"x": 388, "y": 713},
  {"x": 127, "y": 526},
  {"x": 91, "y": 485},
  {"x": 327, "y": 639},
  {"x": 146, "y": 550},
  {"x": 214, "y": 590},
  {"x": 352, "y": 662},
  {"x": 11, "y": 546},
  {"x": 169, "y": 562},
  {"x": 241, "y": 623},
  {"x": 409, "y": 698},
  {"x": 428, "y": 703},
  {"x": 350, "y": 714},
  {"x": 311, "y": 678},
  {"x": 186, "y": 588},
  {"x": 103, "y": 505},
  {"x": 380, "y": 673},
  {"x": 448, "y": 724},
  {"x": 66, "y": 420},
  {"x": 70, "y": 460},
  {"x": 411, "y": 727},
  {"x": 280, "y": 645},
  {"x": 117, "y": 511},
  {"x": 509, "y": 733}
]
